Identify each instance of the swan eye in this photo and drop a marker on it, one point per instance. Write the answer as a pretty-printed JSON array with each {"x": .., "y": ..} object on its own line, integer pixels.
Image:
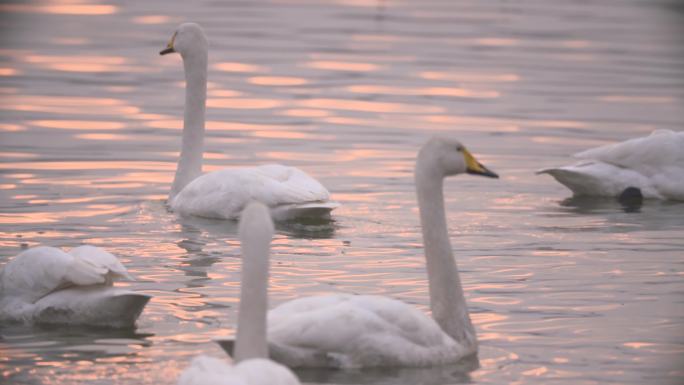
[{"x": 460, "y": 148}]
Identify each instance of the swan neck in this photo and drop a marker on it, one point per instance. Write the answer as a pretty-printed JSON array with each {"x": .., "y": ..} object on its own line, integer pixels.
[
  {"x": 447, "y": 300},
  {"x": 251, "y": 328},
  {"x": 192, "y": 147}
]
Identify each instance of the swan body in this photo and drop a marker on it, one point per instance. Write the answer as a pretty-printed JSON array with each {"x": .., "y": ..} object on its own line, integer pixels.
[
  {"x": 251, "y": 350},
  {"x": 353, "y": 331},
  {"x": 205, "y": 370},
  {"x": 653, "y": 164},
  {"x": 222, "y": 194},
  {"x": 288, "y": 192},
  {"x": 47, "y": 285}
]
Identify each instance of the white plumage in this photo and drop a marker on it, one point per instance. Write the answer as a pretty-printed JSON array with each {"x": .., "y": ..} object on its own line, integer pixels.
[
  {"x": 46, "y": 285},
  {"x": 654, "y": 164},
  {"x": 224, "y": 193},
  {"x": 353, "y": 331},
  {"x": 288, "y": 192},
  {"x": 350, "y": 331},
  {"x": 205, "y": 370}
]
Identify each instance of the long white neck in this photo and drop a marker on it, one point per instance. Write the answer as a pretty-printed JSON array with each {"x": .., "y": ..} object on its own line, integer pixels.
[
  {"x": 251, "y": 330},
  {"x": 447, "y": 301},
  {"x": 190, "y": 163}
]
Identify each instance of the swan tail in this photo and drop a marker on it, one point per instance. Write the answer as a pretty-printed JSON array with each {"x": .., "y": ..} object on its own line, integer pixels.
[
  {"x": 315, "y": 210},
  {"x": 91, "y": 305},
  {"x": 584, "y": 180},
  {"x": 227, "y": 344}
]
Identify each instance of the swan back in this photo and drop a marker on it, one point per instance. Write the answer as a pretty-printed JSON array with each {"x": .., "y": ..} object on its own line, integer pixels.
[
  {"x": 647, "y": 155},
  {"x": 38, "y": 271}
]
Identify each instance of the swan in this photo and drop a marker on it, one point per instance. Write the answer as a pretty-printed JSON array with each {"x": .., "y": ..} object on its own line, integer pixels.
[
  {"x": 653, "y": 164},
  {"x": 287, "y": 191},
  {"x": 45, "y": 285},
  {"x": 251, "y": 350},
  {"x": 353, "y": 331}
]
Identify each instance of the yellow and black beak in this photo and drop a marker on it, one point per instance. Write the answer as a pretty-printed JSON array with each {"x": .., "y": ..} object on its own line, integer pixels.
[
  {"x": 169, "y": 47},
  {"x": 476, "y": 168}
]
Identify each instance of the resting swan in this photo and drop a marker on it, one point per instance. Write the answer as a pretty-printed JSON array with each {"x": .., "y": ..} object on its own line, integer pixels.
[
  {"x": 251, "y": 351},
  {"x": 352, "y": 331},
  {"x": 653, "y": 164},
  {"x": 46, "y": 285},
  {"x": 222, "y": 194}
]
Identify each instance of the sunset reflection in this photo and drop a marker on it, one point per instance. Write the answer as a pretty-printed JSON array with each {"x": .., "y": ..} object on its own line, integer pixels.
[{"x": 67, "y": 8}]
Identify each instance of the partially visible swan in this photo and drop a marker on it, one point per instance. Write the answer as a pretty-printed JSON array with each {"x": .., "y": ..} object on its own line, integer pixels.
[
  {"x": 251, "y": 350},
  {"x": 653, "y": 164},
  {"x": 287, "y": 191},
  {"x": 349, "y": 331},
  {"x": 46, "y": 285}
]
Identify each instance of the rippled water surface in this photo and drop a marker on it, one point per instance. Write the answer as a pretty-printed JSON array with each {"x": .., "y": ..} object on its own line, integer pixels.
[{"x": 561, "y": 290}]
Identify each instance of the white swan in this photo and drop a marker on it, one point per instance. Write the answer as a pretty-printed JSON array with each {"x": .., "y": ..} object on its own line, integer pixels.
[
  {"x": 46, "y": 285},
  {"x": 287, "y": 191},
  {"x": 251, "y": 350},
  {"x": 367, "y": 330},
  {"x": 653, "y": 164}
]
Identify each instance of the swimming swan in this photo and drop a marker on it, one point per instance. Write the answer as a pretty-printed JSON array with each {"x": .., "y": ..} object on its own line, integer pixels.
[
  {"x": 351, "y": 331},
  {"x": 287, "y": 191},
  {"x": 653, "y": 164},
  {"x": 46, "y": 285},
  {"x": 251, "y": 350}
]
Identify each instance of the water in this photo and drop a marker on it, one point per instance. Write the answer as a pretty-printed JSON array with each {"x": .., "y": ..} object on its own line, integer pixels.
[{"x": 561, "y": 291}]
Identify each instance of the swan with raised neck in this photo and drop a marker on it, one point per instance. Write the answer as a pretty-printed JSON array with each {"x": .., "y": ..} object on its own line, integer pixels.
[
  {"x": 223, "y": 194},
  {"x": 351, "y": 331}
]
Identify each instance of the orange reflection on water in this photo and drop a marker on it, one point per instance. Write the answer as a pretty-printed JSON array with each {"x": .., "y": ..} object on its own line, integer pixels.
[
  {"x": 244, "y": 103},
  {"x": 238, "y": 67},
  {"x": 89, "y": 165},
  {"x": 8, "y": 127},
  {"x": 277, "y": 80},
  {"x": 213, "y": 125},
  {"x": 470, "y": 77},
  {"x": 637, "y": 99},
  {"x": 70, "y": 40},
  {"x": 69, "y": 105},
  {"x": 7, "y": 71},
  {"x": 78, "y": 124},
  {"x": 342, "y": 66},
  {"x": 418, "y": 91},
  {"x": 152, "y": 19},
  {"x": 305, "y": 113},
  {"x": 367, "y": 106},
  {"x": 81, "y": 63},
  {"x": 103, "y": 136},
  {"x": 61, "y": 9},
  {"x": 224, "y": 93},
  {"x": 497, "y": 42}
]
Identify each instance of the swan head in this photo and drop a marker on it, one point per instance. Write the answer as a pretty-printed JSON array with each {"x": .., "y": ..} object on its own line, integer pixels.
[
  {"x": 256, "y": 226},
  {"x": 188, "y": 39},
  {"x": 447, "y": 156}
]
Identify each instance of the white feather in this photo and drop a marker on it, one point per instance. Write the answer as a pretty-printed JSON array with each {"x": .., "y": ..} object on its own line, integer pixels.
[
  {"x": 224, "y": 193},
  {"x": 205, "y": 370},
  {"x": 654, "y": 164},
  {"x": 46, "y": 285}
]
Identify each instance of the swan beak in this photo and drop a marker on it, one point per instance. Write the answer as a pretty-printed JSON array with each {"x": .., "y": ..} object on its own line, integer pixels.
[
  {"x": 476, "y": 168},
  {"x": 169, "y": 47}
]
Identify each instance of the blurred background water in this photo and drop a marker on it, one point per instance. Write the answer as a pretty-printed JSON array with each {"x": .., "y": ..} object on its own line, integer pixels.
[{"x": 561, "y": 290}]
